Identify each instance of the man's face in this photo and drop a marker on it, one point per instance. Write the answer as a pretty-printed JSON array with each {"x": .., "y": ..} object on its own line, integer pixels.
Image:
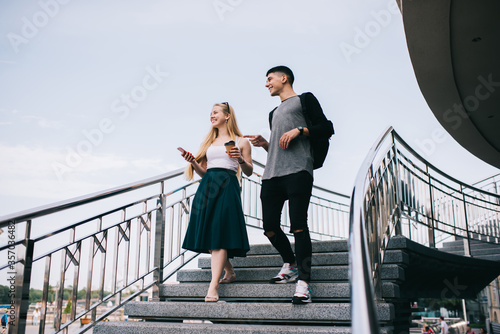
[{"x": 274, "y": 83}]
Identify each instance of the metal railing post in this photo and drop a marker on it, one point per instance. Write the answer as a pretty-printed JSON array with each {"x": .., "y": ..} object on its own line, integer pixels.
[
  {"x": 159, "y": 248},
  {"x": 431, "y": 234},
  {"x": 22, "y": 277},
  {"x": 45, "y": 295},
  {"x": 467, "y": 250},
  {"x": 397, "y": 227}
]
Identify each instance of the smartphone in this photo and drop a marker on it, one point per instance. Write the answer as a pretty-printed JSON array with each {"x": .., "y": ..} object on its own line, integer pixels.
[{"x": 181, "y": 150}]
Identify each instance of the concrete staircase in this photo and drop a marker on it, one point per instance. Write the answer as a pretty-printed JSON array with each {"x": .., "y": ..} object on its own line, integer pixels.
[
  {"x": 251, "y": 305},
  {"x": 479, "y": 249}
]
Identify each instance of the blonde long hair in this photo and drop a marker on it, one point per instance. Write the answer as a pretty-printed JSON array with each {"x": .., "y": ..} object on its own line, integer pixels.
[{"x": 232, "y": 129}]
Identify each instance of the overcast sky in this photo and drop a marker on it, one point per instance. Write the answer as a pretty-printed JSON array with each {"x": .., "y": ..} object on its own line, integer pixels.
[{"x": 98, "y": 94}]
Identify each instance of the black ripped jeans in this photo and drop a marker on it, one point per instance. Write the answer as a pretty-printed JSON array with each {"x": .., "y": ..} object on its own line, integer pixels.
[{"x": 296, "y": 188}]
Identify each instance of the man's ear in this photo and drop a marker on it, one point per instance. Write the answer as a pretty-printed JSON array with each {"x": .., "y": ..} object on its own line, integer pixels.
[{"x": 284, "y": 79}]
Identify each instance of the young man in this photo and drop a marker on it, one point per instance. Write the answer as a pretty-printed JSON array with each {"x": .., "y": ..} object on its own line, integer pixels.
[{"x": 289, "y": 176}]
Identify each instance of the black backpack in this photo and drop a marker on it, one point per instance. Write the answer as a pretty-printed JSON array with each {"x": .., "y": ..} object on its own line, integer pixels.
[{"x": 313, "y": 114}]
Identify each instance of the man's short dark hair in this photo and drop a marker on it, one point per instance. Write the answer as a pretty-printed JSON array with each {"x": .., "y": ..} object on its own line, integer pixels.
[{"x": 285, "y": 70}]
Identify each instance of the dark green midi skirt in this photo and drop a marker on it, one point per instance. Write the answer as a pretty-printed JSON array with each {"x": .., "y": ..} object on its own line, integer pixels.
[{"x": 216, "y": 220}]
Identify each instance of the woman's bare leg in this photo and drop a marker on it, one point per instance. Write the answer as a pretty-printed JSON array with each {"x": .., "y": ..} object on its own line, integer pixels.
[
  {"x": 229, "y": 270},
  {"x": 218, "y": 262}
]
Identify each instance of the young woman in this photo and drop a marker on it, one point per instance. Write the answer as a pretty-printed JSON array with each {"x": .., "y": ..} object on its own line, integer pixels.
[{"x": 217, "y": 224}]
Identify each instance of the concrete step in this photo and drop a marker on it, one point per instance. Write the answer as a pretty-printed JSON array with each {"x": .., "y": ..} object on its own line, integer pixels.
[
  {"x": 480, "y": 254},
  {"x": 251, "y": 313},
  {"x": 451, "y": 244},
  {"x": 318, "y": 259},
  {"x": 456, "y": 252},
  {"x": 486, "y": 246},
  {"x": 133, "y": 327},
  {"x": 452, "y": 249},
  {"x": 320, "y": 273},
  {"x": 246, "y": 292},
  {"x": 491, "y": 257},
  {"x": 317, "y": 247},
  {"x": 475, "y": 244},
  {"x": 491, "y": 251},
  {"x": 260, "y": 261}
]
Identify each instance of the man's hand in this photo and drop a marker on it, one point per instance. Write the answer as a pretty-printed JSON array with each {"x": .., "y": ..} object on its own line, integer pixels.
[
  {"x": 288, "y": 137},
  {"x": 258, "y": 141}
]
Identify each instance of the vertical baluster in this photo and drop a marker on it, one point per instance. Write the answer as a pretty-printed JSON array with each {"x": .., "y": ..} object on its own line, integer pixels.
[
  {"x": 431, "y": 235},
  {"x": 159, "y": 248},
  {"x": 256, "y": 202},
  {"x": 244, "y": 182},
  {"x": 23, "y": 280},
  {"x": 102, "y": 267},
  {"x": 76, "y": 259},
  {"x": 60, "y": 292},
  {"x": 114, "y": 267},
  {"x": 330, "y": 227},
  {"x": 45, "y": 294},
  {"x": 149, "y": 226},
  {"x": 127, "y": 252},
  {"x": 179, "y": 222},
  {"x": 467, "y": 246},
  {"x": 170, "y": 234},
  {"x": 138, "y": 242},
  {"x": 90, "y": 271}
]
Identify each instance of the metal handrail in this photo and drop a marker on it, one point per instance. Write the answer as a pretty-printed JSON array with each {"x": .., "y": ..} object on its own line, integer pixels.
[
  {"x": 403, "y": 143},
  {"x": 363, "y": 311},
  {"x": 85, "y": 199},
  {"x": 393, "y": 193},
  {"x": 140, "y": 249}
]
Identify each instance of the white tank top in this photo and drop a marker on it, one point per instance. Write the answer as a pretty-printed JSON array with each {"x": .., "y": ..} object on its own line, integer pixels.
[{"x": 218, "y": 158}]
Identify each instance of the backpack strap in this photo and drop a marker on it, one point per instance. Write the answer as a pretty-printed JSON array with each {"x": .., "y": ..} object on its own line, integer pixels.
[
  {"x": 271, "y": 118},
  {"x": 317, "y": 123},
  {"x": 303, "y": 103}
]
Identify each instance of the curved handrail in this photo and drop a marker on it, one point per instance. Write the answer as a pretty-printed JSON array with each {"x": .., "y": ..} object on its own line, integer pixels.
[
  {"x": 381, "y": 194},
  {"x": 363, "y": 312},
  {"x": 427, "y": 163}
]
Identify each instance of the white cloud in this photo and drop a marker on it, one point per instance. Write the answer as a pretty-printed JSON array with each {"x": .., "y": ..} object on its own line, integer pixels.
[{"x": 43, "y": 122}]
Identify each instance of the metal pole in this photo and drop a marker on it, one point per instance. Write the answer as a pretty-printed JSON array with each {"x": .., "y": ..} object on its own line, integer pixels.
[
  {"x": 432, "y": 236},
  {"x": 397, "y": 227},
  {"x": 467, "y": 250},
  {"x": 45, "y": 295},
  {"x": 159, "y": 247},
  {"x": 22, "y": 284}
]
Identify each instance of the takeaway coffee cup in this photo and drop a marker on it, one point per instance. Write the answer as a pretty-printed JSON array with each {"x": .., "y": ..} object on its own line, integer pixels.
[{"x": 229, "y": 145}]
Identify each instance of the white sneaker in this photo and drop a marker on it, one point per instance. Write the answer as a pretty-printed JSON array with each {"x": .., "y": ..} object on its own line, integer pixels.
[
  {"x": 302, "y": 293},
  {"x": 288, "y": 273}
]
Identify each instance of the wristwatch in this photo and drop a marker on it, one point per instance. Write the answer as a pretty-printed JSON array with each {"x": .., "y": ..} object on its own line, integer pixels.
[{"x": 301, "y": 129}]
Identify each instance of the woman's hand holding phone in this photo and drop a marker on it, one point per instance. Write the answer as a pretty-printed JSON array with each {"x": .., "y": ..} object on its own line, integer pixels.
[{"x": 186, "y": 155}]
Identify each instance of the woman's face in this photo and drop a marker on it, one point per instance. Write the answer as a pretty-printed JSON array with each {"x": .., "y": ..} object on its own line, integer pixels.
[{"x": 217, "y": 117}]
